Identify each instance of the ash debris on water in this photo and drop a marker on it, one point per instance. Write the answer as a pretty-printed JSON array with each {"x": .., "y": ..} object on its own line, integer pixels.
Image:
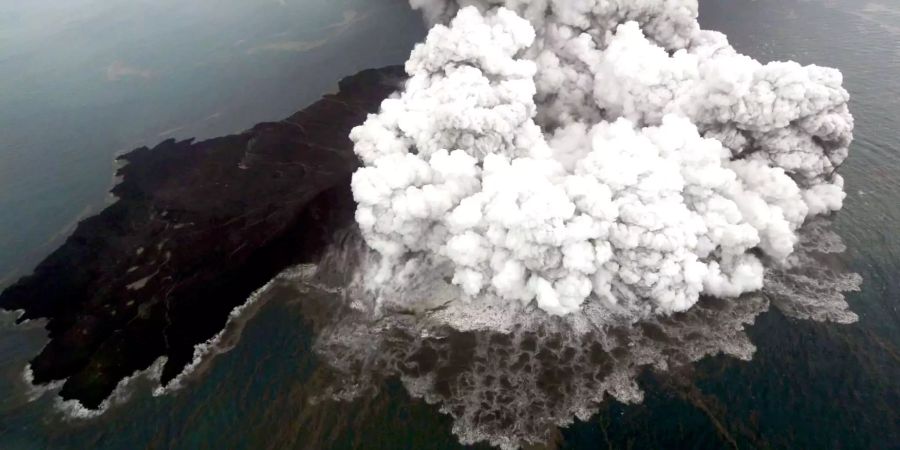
[
  {"x": 567, "y": 192},
  {"x": 512, "y": 386}
]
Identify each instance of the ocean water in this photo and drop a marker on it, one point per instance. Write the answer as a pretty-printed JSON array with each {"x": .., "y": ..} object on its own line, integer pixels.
[
  {"x": 809, "y": 384},
  {"x": 84, "y": 80}
]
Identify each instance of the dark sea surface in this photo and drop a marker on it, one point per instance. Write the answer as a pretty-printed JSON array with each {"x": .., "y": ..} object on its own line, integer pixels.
[
  {"x": 84, "y": 80},
  {"x": 120, "y": 74}
]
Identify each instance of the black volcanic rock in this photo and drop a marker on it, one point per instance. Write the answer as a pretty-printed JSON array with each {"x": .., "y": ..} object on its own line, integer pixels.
[{"x": 196, "y": 229}]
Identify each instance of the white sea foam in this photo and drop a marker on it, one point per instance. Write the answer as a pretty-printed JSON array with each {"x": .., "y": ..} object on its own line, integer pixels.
[
  {"x": 75, "y": 410},
  {"x": 225, "y": 340},
  {"x": 36, "y": 391}
]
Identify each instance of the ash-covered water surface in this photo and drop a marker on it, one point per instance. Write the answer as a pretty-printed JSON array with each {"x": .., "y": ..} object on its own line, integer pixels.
[{"x": 514, "y": 386}]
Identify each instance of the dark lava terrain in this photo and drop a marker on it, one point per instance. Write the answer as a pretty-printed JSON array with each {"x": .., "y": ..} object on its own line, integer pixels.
[{"x": 198, "y": 226}]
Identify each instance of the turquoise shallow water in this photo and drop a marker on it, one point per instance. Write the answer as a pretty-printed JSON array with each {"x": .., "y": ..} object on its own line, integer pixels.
[{"x": 809, "y": 385}]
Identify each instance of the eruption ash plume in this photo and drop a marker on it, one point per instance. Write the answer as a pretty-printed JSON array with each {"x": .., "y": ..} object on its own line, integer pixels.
[
  {"x": 568, "y": 192},
  {"x": 553, "y": 152},
  {"x": 512, "y": 387}
]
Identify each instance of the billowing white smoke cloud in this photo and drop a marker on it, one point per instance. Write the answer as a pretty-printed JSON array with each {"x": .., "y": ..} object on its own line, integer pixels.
[{"x": 555, "y": 151}]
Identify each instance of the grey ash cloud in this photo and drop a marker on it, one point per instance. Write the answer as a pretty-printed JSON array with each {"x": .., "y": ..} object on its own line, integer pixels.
[{"x": 556, "y": 153}]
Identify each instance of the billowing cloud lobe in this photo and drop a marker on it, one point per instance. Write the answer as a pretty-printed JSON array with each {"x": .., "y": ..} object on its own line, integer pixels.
[{"x": 555, "y": 152}]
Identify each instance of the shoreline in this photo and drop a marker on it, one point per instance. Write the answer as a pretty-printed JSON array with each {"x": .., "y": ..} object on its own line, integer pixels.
[{"x": 197, "y": 228}]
